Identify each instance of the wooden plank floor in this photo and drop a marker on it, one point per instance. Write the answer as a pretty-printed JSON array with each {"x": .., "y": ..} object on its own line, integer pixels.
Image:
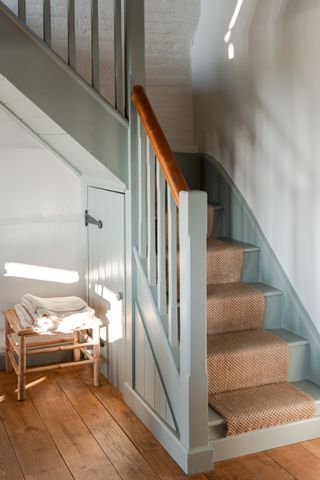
[{"x": 68, "y": 429}]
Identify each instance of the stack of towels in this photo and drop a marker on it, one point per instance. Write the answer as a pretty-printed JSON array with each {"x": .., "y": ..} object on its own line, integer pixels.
[{"x": 49, "y": 315}]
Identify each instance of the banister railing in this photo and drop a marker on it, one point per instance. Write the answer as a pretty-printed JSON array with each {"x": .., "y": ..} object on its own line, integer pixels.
[
  {"x": 116, "y": 95},
  {"x": 159, "y": 143},
  {"x": 160, "y": 184},
  {"x": 171, "y": 238}
]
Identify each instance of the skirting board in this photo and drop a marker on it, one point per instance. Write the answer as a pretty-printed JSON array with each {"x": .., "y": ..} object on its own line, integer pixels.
[
  {"x": 259, "y": 440},
  {"x": 191, "y": 461}
]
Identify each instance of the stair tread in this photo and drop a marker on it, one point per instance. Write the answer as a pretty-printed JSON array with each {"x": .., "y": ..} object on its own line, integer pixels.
[
  {"x": 309, "y": 387},
  {"x": 236, "y": 341},
  {"x": 266, "y": 289},
  {"x": 290, "y": 337},
  {"x": 263, "y": 406},
  {"x": 259, "y": 336},
  {"x": 246, "y": 247}
]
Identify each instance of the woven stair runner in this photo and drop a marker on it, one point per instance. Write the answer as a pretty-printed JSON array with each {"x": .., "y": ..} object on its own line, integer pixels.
[{"x": 247, "y": 366}]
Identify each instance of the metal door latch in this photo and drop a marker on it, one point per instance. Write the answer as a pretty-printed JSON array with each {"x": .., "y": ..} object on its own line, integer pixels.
[{"x": 88, "y": 219}]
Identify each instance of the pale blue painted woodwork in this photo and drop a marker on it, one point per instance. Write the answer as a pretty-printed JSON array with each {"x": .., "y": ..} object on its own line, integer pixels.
[{"x": 106, "y": 276}]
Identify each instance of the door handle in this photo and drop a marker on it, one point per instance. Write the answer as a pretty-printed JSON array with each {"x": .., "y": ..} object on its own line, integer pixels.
[{"x": 89, "y": 219}]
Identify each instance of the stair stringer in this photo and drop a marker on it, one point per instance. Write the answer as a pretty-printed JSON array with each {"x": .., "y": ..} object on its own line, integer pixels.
[
  {"x": 149, "y": 330},
  {"x": 241, "y": 224},
  {"x": 58, "y": 91}
]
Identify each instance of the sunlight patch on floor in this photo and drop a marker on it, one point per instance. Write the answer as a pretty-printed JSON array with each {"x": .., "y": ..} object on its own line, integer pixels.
[{"x": 34, "y": 383}]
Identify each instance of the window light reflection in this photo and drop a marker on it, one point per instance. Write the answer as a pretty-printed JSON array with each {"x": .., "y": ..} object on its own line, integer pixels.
[
  {"x": 114, "y": 313},
  {"x": 36, "y": 272},
  {"x": 232, "y": 23},
  {"x": 230, "y": 51}
]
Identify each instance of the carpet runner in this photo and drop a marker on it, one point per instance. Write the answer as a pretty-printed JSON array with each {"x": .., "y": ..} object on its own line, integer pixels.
[{"x": 247, "y": 366}]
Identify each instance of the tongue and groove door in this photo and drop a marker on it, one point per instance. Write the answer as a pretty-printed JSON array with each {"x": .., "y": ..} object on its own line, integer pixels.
[{"x": 106, "y": 281}]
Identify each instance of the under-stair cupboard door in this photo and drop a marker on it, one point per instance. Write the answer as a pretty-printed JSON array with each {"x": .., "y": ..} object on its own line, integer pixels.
[{"x": 106, "y": 281}]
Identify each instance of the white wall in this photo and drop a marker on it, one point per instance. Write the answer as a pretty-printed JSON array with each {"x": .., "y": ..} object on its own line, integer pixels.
[
  {"x": 258, "y": 114},
  {"x": 40, "y": 218},
  {"x": 170, "y": 27}
]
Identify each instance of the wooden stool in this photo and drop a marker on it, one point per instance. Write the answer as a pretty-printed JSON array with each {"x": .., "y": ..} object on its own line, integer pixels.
[{"x": 17, "y": 349}]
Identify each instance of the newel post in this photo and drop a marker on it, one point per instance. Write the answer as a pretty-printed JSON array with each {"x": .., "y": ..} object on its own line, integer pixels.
[{"x": 193, "y": 318}]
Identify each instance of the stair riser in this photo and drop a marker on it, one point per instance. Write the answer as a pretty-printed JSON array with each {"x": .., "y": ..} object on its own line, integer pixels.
[
  {"x": 218, "y": 223},
  {"x": 272, "y": 312},
  {"x": 259, "y": 440},
  {"x": 251, "y": 267},
  {"x": 298, "y": 362}
]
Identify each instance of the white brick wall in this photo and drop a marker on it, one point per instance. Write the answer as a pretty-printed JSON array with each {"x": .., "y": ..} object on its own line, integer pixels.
[{"x": 170, "y": 28}]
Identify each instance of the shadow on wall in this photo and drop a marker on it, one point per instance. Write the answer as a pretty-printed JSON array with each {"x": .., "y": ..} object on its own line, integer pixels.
[{"x": 258, "y": 114}]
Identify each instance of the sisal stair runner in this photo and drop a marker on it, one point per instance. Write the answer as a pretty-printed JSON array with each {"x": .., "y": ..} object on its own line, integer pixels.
[{"x": 247, "y": 366}]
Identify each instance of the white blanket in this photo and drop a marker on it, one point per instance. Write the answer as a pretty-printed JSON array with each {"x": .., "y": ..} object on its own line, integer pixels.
[{"x": 60, "y": 314}]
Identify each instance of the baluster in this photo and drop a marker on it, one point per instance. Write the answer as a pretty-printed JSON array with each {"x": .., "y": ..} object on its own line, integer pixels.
[
  {"x": 142, "y": 190},
  {"x": 22, "y": 11},
  {"x": 47, "y": 22},
  {"x": 118, "y": 80},
  {"x": 161, "y": 244},
  {"x": 172, "y": 271},
  {"x": 95, "y": 68},
  {"x": 71, "y": 34},
  {"x": 151, "y": 204}
]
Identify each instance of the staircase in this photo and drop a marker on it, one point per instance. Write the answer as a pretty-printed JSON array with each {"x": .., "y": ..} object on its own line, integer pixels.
[
  {"x": 246, "y": 335},
  {"x": 123, "y": 146}
]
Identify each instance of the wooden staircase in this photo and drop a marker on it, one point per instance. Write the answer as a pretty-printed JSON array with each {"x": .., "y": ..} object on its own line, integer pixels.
[{"x": 276, "y": 303}]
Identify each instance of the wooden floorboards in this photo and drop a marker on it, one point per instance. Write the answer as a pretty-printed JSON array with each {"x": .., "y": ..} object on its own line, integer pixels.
[{"x": 68, "y": 429}]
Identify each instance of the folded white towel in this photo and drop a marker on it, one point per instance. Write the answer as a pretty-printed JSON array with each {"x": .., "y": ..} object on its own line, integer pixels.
[
  {"x": 60, "y": 314},
  {"x": 55, "y": 304},
  {"x": 25, "y": 319}
]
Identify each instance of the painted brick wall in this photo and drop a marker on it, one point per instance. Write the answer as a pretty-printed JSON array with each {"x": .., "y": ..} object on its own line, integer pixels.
[{"x": 170, "y": 29}]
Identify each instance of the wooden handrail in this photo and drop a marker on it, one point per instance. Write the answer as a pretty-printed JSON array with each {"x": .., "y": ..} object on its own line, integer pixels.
[{"x": 159, "y": 143}]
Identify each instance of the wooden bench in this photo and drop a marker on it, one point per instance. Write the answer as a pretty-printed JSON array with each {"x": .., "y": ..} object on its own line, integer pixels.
[{"x": 17, "y": 349}]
